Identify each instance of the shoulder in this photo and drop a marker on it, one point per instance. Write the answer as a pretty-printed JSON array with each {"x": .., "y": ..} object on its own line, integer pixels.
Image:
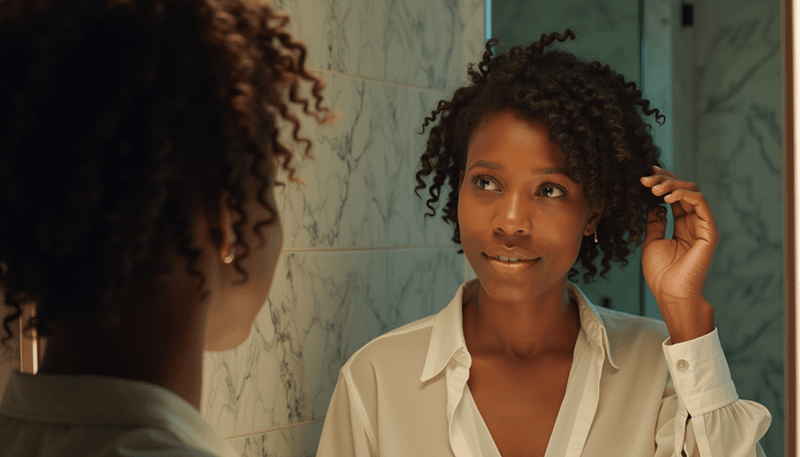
[
  {"x": 628, "y": 333},
  {"x": 403, "y": 348}
]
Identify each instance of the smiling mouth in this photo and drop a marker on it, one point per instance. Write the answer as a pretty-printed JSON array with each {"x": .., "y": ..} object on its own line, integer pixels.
[{"x": 510, "y": 260}]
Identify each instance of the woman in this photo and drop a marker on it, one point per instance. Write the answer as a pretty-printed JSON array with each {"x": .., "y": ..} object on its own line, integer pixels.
[
  {"x": 138, "y": 151},
  {"x": 549, "y": 161}
]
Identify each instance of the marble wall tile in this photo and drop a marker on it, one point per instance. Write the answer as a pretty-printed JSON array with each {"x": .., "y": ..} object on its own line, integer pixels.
[
  {"x": 319, "y": 311},
  {"x": 299, "y": 441},
  {"x": 738, "y": 166},
  {"x": 419, "y": 283},
  {"x": 473, "y": 42},
  {"x": 378, "y": 40},
  {"x": 356, "y": 193}
]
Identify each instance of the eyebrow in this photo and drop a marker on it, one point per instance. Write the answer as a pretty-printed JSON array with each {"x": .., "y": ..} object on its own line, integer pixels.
[{"x": 542, "y": 171}]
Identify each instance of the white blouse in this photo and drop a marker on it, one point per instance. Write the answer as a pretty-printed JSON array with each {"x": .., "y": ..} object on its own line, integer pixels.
[
  {"x": 57, "y": 415},
  {"x": 630, "y": 392}
]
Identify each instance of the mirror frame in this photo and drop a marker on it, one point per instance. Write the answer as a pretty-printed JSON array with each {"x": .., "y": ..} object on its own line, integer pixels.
[
  {"x": 791, "y": 185},
  {"x": 790, "y": 12}
]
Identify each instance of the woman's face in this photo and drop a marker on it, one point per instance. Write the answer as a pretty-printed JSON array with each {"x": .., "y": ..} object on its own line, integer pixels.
[
  {"x": 516, "y": 200},
  {"x": 233, "y": 306}
]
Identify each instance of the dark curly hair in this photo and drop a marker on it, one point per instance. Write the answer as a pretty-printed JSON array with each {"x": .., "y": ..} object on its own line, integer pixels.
[
  {"x": 120, "y": 122},
  {"x": 591, "y": 113}
]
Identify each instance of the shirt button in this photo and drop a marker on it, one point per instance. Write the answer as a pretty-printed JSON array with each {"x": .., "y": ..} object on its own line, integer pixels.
[{"x": 682, "y": 364}]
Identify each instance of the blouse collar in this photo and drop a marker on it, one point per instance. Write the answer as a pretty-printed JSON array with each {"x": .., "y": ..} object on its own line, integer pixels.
[{"x": 447, "y": 337}]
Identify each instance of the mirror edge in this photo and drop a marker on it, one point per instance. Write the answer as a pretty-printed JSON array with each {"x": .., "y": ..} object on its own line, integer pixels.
[{"x": 790, "y": 77}]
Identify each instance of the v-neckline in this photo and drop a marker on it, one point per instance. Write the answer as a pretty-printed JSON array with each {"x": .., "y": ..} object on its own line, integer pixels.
[{"x": 575, "y": 388}]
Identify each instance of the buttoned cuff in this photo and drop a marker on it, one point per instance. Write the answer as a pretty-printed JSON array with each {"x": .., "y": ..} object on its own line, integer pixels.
[{"x": 700, "y": 373}]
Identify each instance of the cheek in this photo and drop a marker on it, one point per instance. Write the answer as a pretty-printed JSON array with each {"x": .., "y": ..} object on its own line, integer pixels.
[{"x": 468, "y": 217}]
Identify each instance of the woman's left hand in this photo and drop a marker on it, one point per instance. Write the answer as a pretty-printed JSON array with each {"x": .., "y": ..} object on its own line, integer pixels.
[{"x": 676, "y": 269}]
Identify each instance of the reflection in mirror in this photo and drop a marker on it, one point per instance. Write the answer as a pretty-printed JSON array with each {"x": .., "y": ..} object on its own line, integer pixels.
[{"x": 718, "y": 81}]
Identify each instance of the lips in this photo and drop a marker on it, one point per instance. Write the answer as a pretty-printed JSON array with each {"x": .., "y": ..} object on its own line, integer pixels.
[
  {"x": 509, "y": 253},
  {"x": 509, "y": 268}
]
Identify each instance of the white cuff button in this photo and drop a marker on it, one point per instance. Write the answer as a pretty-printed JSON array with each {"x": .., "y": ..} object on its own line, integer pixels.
[{"x": 682, "y": 364}]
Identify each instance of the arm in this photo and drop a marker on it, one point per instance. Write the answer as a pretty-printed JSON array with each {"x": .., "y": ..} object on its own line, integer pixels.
[{"x": 701, "y": 413}]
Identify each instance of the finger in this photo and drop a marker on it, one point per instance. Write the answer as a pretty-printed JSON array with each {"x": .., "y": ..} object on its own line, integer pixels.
[
  {"x": 665, "y": 171},
  {"x": 668, "y": 185},
  {"x": 654, "y": 180},
  {"x": 668, "y": 174},
  {"x": 655, "y": 228},
  {"x": 691, "y": 201}
]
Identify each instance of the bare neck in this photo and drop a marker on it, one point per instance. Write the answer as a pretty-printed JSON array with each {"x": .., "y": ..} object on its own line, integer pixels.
[
  {"x": 156, "y": 345},
  {"x": 521, "y": 331}
]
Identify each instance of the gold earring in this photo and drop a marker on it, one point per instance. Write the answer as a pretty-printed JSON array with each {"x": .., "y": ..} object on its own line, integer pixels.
[
  {"x": 231, "y": 251},
  {"x": 595, "y": 237}
]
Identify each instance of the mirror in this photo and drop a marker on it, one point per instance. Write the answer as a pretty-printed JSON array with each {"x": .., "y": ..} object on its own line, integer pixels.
[{"x": 714, "y": 69}]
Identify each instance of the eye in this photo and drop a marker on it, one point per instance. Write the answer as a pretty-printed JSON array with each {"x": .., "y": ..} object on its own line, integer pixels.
[
  {"x": 483, "y": 182},
  {"x": 551, "y": 187}
]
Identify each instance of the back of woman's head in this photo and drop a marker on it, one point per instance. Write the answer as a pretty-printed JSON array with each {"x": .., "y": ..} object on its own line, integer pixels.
[
  {"x": 120, "y": 122},
  {"x": 592, "y": 114}
]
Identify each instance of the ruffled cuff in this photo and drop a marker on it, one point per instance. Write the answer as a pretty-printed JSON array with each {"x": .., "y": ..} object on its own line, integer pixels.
[{"x": 700, "y": 373}]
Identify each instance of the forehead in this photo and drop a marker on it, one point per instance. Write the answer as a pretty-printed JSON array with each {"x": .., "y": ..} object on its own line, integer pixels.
[{"x": 509, "y": 139}]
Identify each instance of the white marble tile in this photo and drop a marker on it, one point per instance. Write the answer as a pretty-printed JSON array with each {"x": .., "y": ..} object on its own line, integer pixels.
[
  {"x": 345, "y": 36},
  {"x": 319, "y": 311},
  {"x": 415, "y": 42},
  {"x": 473, "y": 42},
  {"x": 419, "y": 283},
  {"x": 428, "y": 33},
  {"x": 299, "y": 441},
  {"x": 354, "y": 194}
]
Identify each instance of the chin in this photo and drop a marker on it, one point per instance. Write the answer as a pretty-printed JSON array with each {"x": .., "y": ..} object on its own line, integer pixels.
[{"x": 507, "y": 291}]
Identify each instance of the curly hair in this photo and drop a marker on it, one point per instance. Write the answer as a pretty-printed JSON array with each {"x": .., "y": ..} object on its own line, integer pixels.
[
  {"x": 120, "y": 122},
  {"x": 591, "y": 113}
]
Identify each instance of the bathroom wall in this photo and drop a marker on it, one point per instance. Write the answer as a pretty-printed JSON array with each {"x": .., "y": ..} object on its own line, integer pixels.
[
  {"x": 358, "y": 258},
  {"x": 737, "y": 165},
  {"x": 607, "y": 31}
]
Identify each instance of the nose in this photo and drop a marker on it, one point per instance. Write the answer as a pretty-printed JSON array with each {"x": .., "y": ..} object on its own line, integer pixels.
[{"x": 512, "y": 216}]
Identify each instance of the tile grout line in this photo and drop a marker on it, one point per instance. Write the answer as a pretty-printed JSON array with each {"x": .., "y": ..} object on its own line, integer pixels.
[
  {"x": 385, "y": 81},
  {"x": 273, "y": 429}
]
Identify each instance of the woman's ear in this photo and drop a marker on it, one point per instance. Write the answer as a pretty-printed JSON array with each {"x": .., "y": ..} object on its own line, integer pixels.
[{"x": 593, "y": 222}]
